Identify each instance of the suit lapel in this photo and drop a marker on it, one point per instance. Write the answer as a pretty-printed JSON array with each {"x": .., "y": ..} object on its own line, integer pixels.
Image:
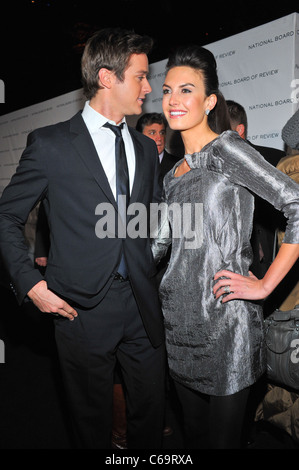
[
  {"x": 167, "y": 163},
  {"x": 139, "y": 168},
  {"x": 83, "y": 143}
]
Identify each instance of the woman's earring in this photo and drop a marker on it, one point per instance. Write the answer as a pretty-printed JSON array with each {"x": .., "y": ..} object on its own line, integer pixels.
[{"x": 207, "y": 112}]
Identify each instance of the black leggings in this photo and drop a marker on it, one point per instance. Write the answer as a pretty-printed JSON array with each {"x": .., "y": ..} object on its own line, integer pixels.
[{"x": 212, "y": 422}]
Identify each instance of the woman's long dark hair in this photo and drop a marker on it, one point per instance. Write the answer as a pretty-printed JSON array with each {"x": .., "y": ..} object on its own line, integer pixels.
[{"x": 202, "y": 59}]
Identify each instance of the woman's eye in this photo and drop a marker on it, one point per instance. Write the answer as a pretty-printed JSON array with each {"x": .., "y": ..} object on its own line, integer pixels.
[{"x": 166, "y": 91}]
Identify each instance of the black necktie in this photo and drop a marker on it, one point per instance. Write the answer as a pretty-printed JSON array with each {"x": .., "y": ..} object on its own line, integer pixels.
[{"x": 122, "y": 182}]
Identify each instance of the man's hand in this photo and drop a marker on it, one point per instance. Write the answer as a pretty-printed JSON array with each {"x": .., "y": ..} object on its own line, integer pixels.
[
  {"x": 41, "y": 261},
  {"x": 48, "y": 302}
]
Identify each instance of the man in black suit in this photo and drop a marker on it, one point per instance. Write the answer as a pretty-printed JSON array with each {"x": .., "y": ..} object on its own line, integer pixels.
[
  {"x": 154, "y": 126},
  {"x": 266, "y": 217},
  {"x": 72, "y": 167}
]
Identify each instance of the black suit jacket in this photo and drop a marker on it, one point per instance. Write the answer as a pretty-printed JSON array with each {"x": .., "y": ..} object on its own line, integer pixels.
[
  {"x": 168, "y": 162},
  {"x": 60, "y": 165},
  {"x": 265, "y": 222},
  {"x": 42, "y": 236}
]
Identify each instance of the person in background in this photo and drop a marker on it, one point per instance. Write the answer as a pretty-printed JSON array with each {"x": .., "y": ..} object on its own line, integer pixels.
[
  {"x": 266, "y": 217},
  {"x": 154, "y": 126},
  {"x": 287, "y": 296},
  {"x": 100, "y": 288},
  {"x": 239, "y": 123},
  {"x": 214, "y": 328},
  {"x": 279, "y": 405}
]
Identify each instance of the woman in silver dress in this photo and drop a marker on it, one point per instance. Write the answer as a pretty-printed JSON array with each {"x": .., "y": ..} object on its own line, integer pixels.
[{"x": 214, "y": 329}]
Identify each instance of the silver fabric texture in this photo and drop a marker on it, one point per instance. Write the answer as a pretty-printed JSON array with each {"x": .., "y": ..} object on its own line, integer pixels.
[{"x": 217, "y": 348}]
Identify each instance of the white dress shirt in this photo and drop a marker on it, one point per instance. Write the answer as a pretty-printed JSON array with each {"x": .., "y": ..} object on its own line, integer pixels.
[{"x": 104, "y": 141}]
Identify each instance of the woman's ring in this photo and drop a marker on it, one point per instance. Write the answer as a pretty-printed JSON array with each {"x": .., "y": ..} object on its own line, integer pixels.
[{"x": 227, "y": 289}]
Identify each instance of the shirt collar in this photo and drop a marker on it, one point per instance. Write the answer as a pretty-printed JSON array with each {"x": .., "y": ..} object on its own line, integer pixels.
[{"x": 95, "y": 120}]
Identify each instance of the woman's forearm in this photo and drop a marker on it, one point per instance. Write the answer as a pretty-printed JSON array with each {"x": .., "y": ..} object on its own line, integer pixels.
[{"x": 283, "y": 262}]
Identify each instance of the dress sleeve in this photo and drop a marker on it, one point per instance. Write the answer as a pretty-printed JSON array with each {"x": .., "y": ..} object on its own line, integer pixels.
[{"x": 245, "y": 166}]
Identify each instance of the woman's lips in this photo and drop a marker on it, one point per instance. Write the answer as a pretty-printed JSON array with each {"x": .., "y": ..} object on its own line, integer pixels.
[{"x": 177, "y": 113}]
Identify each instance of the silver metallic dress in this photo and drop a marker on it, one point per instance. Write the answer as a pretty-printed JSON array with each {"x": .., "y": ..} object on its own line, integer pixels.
[{"x": 216, "y": 348}]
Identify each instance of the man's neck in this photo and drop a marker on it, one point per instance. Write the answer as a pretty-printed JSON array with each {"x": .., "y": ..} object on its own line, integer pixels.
[{"x": 105, "y": 108}]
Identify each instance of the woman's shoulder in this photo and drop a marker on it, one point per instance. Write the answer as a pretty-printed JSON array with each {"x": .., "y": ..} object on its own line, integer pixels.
[
  {"x": 214, "y": 153},
  {"x": 230, "y": 137},
  {"x": 230, "y": 145}
]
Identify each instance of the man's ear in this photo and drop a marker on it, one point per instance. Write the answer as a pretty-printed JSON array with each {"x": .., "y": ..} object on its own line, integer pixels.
[
  {"x": 241, "y": 130},
  {"x": 106, "y": 78}
]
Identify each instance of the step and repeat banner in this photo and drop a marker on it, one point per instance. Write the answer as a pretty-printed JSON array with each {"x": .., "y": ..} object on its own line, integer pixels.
[{"x": 258, "y": 68}]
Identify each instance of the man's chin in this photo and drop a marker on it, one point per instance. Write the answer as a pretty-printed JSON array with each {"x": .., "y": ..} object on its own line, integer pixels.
[{"x": 136, "y": 111}]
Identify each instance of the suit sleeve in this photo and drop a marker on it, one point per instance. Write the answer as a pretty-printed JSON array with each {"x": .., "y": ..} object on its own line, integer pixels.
[
  {"x": 42, "y": 239},
  {"x": 18, "y": 199},
  {"x": 157, "y": 191}
]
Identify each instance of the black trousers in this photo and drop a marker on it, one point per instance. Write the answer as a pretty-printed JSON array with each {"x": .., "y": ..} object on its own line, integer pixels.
[
  {"x": 88, "y": 348},
  {"x": 212, "y": 422}
]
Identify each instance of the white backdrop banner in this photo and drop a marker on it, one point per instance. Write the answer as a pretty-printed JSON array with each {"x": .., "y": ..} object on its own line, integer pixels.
[
  {"x": 15, "y": 127},
  {"x": 258, "y": 68}
]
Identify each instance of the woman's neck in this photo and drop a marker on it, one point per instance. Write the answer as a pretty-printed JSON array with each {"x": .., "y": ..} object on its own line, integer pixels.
[{"x": 194, "y": 140}]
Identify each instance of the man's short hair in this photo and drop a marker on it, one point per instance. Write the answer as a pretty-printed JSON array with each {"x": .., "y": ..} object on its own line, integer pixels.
[
  {"x": 237, "y": 114},
  {"x": 110, "y": 48},
  {"x": 150, "y": 118}
]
